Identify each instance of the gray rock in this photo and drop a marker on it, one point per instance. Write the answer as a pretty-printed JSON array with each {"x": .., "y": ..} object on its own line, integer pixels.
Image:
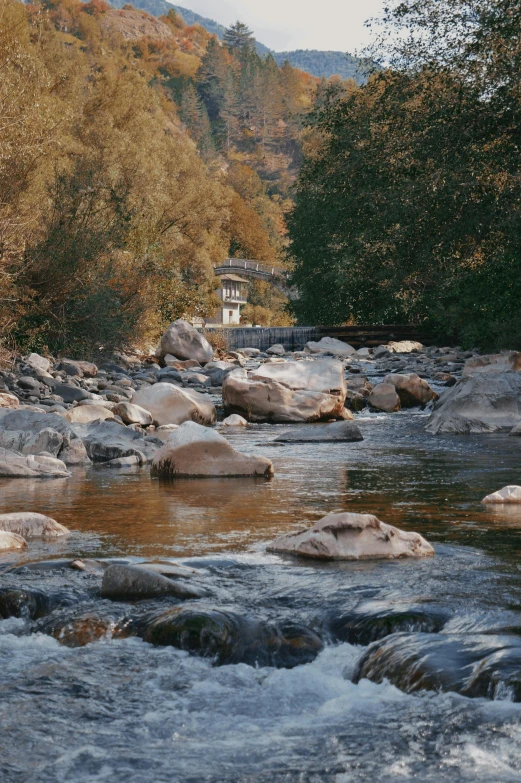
[
  {"x": 108, "y": 440},
  {"x": 122, "y": 582},
  {"x": 480, "y": 403},
  {"x": 71, "y": 393},
  {"x": 37, "y": 362},
  {"x": 339, "y": 431},
  {"x": 72, "y": 451},
  {"x": 185, "y": 342}
]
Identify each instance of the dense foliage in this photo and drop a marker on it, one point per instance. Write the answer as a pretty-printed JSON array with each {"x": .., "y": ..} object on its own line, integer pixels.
[
  {"x": 110, "y": 217},
  {"x": 408, "y": 204}
]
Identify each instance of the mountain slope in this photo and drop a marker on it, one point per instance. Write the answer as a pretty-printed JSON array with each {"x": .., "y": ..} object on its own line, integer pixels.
[{"x": 313, "y": 61}]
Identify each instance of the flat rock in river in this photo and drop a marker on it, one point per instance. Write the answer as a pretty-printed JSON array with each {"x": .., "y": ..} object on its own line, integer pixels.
[
  {"x": 352, "y": 537},
  {"x": 122, "y": 582},
  {"x": 344, "y": 431}
]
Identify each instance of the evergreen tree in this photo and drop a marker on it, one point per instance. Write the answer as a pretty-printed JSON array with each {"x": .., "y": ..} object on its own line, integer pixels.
[
  {"x": 195, "y": 117},
  {"x": 238, "y": 38}
]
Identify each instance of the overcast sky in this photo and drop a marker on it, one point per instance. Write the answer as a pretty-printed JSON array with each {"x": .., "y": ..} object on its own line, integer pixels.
[{"x": 296, "y": 24}]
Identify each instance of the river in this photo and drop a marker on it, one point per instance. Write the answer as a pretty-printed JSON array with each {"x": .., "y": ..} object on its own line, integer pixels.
[{"x": 123, "y": 710}]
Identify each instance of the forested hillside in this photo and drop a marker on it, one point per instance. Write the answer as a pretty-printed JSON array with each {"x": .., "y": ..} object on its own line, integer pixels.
[
  {"x": 408, "y": 204},
  {"x": 321, "y": 64},
  {"x": 139, "y": 152}
]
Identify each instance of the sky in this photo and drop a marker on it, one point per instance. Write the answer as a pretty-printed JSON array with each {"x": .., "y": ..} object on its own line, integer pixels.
[{"x": 284, "y": 25}]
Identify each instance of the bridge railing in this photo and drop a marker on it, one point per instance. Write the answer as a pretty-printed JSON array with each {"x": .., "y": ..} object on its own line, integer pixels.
[{"x": 252, "y": 266}]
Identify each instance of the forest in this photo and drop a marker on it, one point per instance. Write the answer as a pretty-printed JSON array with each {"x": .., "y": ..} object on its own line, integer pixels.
[
  {"x": 136, "y": 152},
  {"x": 407, "y": 208}
]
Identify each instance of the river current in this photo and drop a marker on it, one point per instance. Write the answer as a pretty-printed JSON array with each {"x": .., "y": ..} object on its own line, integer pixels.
[{"x": 123, "y": 710}]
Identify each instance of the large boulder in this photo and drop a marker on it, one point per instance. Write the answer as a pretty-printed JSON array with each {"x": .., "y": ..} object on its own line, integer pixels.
[
  {"x": 337, "y": 431},
  {"x": 15, "y": 465},
  {"x": 10, "y": 541},
  {"x": 108, "y": 440},
  {"x": 185, "y": 342},
  {"x": 193, "y": 450},
  {"x": 509, "y": 495},
  {"x": 411, "y": 389},
  {"x": 474, "y": 665},
  {"x": 288, "y": 392},
  {"x": 133, "y": 414},
  {"x": 169, "y": 404},
  {"x": 27, "y": 442},
  {"x": 230, "y": 638},
  {"x": 508, "y": 361},
  {"x": 479, "y": 403},
  {"x": 330, "y": 345},
  {"x": 384, "y": 397},
  {"x": 31, "y": 525},
  {"x": 71, "y": 451},
  {"x": 352, "y": 537}
]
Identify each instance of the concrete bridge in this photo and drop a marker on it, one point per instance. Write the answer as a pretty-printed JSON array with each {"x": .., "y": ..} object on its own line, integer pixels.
[{"x": 256, "y": 271}]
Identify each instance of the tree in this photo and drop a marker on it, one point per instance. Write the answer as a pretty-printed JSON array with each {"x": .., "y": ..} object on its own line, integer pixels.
[{"x": 239, "y": 39}]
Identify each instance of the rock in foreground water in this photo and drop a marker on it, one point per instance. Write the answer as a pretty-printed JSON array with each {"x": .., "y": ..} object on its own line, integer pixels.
[
  {"x": 193, "y": 450},
  {"x": 10, "y": 541},
  {"x": 384, "y": 397},
  {"x": 352, "y": 537},
  {"x": 232, "y": 638},
  {"x": 129, "y": 583},
  {"x": 477, "y": 665},
  {"x": 373, "y": 620},
  {"x": 31, "y": 525},
  {"x": 510, "y": 494}
]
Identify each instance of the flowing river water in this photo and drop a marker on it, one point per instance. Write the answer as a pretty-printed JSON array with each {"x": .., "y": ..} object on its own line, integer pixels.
[{"x": 124, "y": 710}]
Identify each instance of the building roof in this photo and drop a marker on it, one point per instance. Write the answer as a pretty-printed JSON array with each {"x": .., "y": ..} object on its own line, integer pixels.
[{"x": 234, "y": 277}]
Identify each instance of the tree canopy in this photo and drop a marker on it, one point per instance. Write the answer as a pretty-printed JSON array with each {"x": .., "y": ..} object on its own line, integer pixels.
[{"x": 408, "y": 203}]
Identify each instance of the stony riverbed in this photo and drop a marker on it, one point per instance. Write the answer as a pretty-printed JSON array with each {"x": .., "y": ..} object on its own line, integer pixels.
[{"x": 89, "y": 694}]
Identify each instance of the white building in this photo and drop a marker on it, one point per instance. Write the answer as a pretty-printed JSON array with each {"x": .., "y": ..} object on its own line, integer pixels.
[{"x": 233, "y": 293}]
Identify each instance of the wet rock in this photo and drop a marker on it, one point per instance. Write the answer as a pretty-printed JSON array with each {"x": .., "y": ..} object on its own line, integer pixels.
[
  {"x": 108, "y": 440},
  {"x": 185, "y": 342},
  {"x": 23, "y": 602},
  {"x": 15, "y": 465},
  {"x": 355, "y": 401},
  {"x": 288, "y": 392},
  {"x": 479, "y": 403},
  {"x": 510, "y": 494},
  {"x": 352, "y": 537},
  {"x": 231, "y": 638},
  {"x": 129, "y": 583},
  {"x": 375, "y": 620},
  {"x": 338, "y": 431},
  {"x": 330, "y": 345},
  {"x": 276, "y": 350},
  {"x": 79, "y": 626},
  {"x": 476, "y": 665},
  {"x": 234, "y": 421},
  {"x": 31, "y": 525},
  {"x": 508, "y": 361},
  {"x": 169, "y": 404},
  {"x": 85, "y": 414},
  {"x": 411, "y": 389},
  {"x": 384, "y": 397},
  {"x": 11, "y": 541},
  {"x": 72, "y": 451},
  {"x": 193, "y": 450}
]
